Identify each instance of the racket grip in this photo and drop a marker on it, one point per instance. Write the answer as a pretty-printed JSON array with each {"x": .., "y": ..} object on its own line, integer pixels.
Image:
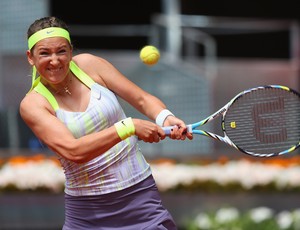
[{"x": 168, "y": 129}]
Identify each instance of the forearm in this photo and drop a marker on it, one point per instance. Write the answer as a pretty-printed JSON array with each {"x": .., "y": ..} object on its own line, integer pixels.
[
  {"x": 150, "y": 106},
  {"x": 87, "y": 147}
]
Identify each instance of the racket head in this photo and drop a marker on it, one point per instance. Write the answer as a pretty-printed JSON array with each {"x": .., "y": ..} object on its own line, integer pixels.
[{"x": 264, "y": 121}]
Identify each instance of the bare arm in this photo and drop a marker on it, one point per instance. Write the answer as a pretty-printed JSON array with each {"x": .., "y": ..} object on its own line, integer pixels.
[
  {"x": 106, "y": 74},
  {"x": 39, "y": 116},
  {"x": 147, "y": 104}
]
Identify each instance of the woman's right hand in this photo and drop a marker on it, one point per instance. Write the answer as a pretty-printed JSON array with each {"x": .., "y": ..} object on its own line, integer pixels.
[{"x": 148, "y": 131}]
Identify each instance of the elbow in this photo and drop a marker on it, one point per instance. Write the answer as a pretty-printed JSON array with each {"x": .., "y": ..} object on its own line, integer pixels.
[
  {"x": 76, "y": 156},
  {"x": 78, "y": 159},
  {"x": 71, "y": 152}
]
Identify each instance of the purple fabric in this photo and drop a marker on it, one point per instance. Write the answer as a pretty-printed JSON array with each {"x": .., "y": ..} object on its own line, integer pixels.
[{"x": 136, "y": 208}]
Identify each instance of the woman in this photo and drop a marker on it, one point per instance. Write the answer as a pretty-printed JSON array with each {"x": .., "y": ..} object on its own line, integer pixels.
[{"x": 72, "y": 108}]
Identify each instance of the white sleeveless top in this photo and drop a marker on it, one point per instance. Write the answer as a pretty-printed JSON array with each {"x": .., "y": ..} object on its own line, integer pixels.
[{"x": 121, "y": 166}]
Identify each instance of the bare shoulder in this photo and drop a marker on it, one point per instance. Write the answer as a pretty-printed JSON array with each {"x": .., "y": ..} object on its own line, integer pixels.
[
  {"x": 33, "y": 105},
  {"x": 27, "y": 103},
  {"x": 96, "y": 67},
  {"x": 87, "y": 59}
]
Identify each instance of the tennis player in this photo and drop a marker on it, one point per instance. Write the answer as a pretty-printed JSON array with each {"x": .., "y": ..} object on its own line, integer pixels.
[{"x": 72, "y": 107}]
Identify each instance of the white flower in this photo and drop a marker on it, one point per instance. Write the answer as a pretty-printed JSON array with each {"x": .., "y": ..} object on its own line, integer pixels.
[
  {"x": 289, "y": 177},
  {"x": 32, "y": 175},
  {"x": 284, "y": 219},
  {"x": 246, "y": 173},
  {"x": 225, "y": 215},
  {"x": 296, "y": 217},
  {"x": 203, "y": 221},
  {"x": 260, "y": 214}
]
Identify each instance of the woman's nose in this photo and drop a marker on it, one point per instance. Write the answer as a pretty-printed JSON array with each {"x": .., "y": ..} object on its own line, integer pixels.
[{"x": 54, "y": 59}]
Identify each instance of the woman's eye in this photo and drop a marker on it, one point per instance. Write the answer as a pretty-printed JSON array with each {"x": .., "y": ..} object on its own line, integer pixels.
[
  {"x": 62, "y": 51},
  {"x": 44, "y": 53}
]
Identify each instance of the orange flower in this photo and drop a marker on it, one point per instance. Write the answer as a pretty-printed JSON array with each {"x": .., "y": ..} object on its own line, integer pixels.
[
  {"x": 163, "y": 161},
  {"x": 37, "y": 157},
  {"x": 17, "y": 160},
  {"x": 23, "y": 159}
]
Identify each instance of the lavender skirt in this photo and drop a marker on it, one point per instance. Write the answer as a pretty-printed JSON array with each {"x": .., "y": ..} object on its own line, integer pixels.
[{"x": 136, "y": 208}]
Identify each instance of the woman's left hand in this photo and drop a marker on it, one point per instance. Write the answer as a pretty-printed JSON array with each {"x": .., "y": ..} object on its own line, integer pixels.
[{"x": 179, "y": 132}]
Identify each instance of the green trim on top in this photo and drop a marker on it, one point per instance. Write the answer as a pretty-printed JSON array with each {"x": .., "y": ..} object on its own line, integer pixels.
[
  {"x": 82, "y": 76},
  {"x": 41, "y": 89}
]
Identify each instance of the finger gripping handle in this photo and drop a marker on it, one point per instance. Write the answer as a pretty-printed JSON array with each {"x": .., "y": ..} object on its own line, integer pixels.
[{"x": 168, "y": 129}]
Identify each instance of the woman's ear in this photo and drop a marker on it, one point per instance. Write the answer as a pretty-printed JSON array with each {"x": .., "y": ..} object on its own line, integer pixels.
[
  {"x": 29, "y": 57},
  {"x": 71, "y": 50}
]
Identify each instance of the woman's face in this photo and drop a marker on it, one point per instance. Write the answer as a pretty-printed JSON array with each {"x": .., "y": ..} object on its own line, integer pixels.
[{"x": 51, "y": 57}]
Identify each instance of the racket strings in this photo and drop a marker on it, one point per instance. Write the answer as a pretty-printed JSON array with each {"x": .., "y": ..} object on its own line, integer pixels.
[{"x": 264, "y": 121}]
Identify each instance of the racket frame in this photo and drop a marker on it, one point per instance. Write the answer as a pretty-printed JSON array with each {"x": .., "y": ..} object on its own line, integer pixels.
[{"x": 192, "y": 128}]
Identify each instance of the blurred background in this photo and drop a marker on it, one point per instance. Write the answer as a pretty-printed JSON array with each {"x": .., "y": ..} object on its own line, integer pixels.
[{"x": 210, "y": 51}]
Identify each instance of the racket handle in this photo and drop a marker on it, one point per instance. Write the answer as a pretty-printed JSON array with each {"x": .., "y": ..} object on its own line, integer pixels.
[{"x": 168, "y": 129}]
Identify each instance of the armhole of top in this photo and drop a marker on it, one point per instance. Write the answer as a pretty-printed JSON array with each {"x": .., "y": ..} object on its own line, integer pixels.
[
  {"x": 82, "y": 76},
  {"x": 40, "y": 88}
]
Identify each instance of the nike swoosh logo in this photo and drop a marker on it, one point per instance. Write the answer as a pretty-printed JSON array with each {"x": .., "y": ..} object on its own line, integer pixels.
[
  {"x": 123, "y": 123},
  {"x": 49, "y": 32}
]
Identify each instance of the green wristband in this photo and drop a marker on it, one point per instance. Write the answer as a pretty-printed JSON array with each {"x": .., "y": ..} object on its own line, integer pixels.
[{"x": 125, "y": 128}]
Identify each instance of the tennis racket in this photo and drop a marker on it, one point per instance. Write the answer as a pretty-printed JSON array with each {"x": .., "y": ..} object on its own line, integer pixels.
[{"x": 262, "y": 121}]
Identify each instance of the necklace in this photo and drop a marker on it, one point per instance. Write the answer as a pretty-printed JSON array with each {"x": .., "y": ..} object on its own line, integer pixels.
[{"x": 66, "y": 87}]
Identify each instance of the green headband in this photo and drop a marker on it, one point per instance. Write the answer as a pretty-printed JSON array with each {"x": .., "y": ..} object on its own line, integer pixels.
[
  {"x": 42, "y": 34},
  {"x": 48, "y": 33}
]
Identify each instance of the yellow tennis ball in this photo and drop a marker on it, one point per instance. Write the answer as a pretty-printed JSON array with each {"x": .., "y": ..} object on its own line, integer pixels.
[{"x": 149, "y": 55}]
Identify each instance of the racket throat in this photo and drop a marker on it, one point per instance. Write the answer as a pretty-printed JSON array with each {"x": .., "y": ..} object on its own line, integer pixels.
[{"x": 189, "y": 128}]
